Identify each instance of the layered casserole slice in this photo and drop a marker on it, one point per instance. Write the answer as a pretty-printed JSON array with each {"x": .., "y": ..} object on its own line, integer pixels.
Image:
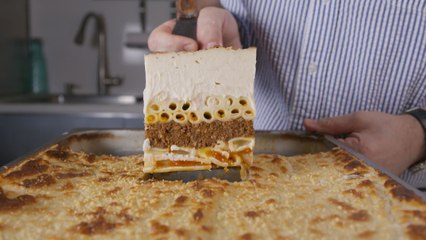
[{"x": 199, "y": 110}]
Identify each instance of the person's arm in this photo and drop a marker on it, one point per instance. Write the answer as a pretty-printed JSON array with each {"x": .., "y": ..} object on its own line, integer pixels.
[
  {"x": 215, "y": 27},
  {"x": 395, "y": 142}
]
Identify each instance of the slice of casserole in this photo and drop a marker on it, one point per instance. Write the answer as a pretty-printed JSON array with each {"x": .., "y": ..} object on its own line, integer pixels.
[{"x": 199, "y": 110}]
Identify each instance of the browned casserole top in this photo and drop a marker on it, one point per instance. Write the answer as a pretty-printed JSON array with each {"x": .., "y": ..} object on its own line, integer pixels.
[{"x": 60, "y": 194}]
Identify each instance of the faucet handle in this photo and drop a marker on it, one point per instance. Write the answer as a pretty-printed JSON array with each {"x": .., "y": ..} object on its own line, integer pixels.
[
  {"x": 113, "y": 81},
  {"x": 69, "y": 88}
]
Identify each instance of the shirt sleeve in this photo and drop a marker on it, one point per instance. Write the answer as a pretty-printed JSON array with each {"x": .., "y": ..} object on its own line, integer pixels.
[{"x": 415, "y": 179}]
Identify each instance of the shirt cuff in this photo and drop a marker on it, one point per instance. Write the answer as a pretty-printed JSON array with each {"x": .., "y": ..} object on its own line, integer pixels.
[{"x": 415, "y": 177}]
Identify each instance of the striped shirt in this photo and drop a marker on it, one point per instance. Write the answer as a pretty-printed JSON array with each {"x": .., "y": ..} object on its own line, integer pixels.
[{"x": 324, "y": 58}]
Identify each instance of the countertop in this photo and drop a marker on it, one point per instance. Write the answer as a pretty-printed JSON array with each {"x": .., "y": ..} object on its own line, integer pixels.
[{"x": 49, "y": 108}]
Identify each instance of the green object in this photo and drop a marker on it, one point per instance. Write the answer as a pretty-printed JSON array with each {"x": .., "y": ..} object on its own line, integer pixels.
[{"x": 38, "y": 83}]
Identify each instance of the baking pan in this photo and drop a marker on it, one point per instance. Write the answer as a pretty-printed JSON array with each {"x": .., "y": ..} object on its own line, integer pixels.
[
  {"x": 126, "y": 142},
  {"x": 122, "y": 142}
]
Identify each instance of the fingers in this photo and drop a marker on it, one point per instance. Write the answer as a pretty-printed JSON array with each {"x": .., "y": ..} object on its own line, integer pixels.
[
  {"x": 217, "y": 27},
  {"x": 209, "y": 28},
  {"x": 336, "y": 125},
  {"x": 332, "y": 126},
  {"x": 231, "y": 34},
  {"x": 353, "y": 142},
  {"x": 161, "y": 39}
]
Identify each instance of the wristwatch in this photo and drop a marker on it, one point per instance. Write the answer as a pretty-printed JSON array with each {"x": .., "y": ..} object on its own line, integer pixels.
[{"x": 420, "y": 115}]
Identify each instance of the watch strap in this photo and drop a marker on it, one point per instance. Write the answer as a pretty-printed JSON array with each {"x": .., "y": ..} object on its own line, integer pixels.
[{"x": 420, "y": 115}]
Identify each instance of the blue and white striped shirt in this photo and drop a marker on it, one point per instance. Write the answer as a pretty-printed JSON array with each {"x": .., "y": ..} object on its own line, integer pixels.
[{"x": 324, "y": 58}]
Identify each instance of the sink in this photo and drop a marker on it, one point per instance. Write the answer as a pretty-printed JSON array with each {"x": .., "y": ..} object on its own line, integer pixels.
[{"x": 74, "y": 99}]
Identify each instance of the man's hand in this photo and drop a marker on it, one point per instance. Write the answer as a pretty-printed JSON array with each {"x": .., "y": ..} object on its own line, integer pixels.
[
  {"x": 393, "y": 142},
  {"x": 215, "y": 27}
]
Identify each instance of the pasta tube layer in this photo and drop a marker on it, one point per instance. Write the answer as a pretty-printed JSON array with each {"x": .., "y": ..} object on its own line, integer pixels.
[{"x": 199, "y": 109}]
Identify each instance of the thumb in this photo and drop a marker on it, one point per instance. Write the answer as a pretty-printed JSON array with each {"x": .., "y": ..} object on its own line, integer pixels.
[{"x": 333, "y": 126}]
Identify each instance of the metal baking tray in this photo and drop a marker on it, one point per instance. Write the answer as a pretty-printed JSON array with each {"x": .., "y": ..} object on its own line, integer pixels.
[{"x": 122, "y": 142}]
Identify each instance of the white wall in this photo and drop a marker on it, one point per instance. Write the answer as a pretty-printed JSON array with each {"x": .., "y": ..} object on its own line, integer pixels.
[{"x": 57, "y": 22}]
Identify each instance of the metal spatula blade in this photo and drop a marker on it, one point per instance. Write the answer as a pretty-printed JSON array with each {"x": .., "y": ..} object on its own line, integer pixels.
[{"x": 231, "y": 174}]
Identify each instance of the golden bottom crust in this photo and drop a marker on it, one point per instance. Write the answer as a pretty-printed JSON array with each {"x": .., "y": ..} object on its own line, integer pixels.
[{"x": 60, "y": 194}]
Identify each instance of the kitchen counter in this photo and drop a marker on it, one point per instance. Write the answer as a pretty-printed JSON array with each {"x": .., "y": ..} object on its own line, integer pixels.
[
  {"x": 79, "y": 109},
  {"x": 26, "y": 127}
]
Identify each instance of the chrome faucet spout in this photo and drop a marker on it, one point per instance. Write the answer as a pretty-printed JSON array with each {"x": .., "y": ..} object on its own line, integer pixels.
[{"x": 104, "y": 81}]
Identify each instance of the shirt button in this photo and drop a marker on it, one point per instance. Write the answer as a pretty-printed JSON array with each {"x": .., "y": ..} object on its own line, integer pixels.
[{"x": 313, "y": 68}]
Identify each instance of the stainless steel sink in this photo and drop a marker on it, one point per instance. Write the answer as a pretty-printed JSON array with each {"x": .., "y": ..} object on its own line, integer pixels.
[{"x": 74, "y": 99}]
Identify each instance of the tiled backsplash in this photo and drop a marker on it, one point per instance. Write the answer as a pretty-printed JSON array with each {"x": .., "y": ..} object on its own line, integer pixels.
[{"x": 57, "y": 22}]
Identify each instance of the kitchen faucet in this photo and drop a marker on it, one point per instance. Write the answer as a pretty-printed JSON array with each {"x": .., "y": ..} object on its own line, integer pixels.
[{"x": 105, "y": 81}]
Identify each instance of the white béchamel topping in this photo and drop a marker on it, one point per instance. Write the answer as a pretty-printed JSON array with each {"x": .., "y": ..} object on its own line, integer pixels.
[{"x": 195, "y": 76}]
